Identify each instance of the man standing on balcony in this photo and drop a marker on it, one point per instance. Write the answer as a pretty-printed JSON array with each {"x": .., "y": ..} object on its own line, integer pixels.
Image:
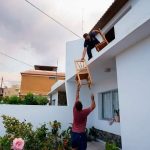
[
  {"x": 78, "y": 137},
  {"x": 89, "y": 43}
]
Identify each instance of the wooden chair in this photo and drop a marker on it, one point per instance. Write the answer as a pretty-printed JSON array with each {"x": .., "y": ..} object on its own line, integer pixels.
[
  {"x": 83, "y": 76},
  {"x": 102, "y": 44}
]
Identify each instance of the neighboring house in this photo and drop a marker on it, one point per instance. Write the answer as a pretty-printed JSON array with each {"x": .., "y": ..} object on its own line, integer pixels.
[
  {"x": 39, "y": 81},
  {"x": 58, "y": 94},
  {"x": 121, "y": 75},
  {"x": 10, "y": 91}
]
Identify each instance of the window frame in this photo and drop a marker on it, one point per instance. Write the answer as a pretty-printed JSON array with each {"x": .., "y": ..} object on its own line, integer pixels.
[{"x": 101, "y": 104}]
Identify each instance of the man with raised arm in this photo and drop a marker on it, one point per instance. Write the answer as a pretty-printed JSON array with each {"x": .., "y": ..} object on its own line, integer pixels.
[{"x": 78, "y": 137}]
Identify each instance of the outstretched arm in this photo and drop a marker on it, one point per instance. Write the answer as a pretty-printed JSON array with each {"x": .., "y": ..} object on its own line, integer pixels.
[
  {"x": 93, "y": 105},
  {"x": 97, "y": 31},
  {"x": 78, "y": 93},
  {"x": 84, "y": 53}
]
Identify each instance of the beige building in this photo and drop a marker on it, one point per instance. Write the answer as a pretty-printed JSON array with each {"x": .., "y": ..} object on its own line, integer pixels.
[
  {"x": 13, "y": 90},
  {"x": 40, "y": 80}
]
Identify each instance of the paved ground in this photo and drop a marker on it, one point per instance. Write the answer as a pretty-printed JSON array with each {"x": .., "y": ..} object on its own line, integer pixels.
[{"x": 95, "y": 146}]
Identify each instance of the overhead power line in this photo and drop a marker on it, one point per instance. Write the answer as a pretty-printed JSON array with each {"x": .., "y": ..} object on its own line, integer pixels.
[
  {"x": 20, "y": 61},
  {"x": 52, "y": 18}
]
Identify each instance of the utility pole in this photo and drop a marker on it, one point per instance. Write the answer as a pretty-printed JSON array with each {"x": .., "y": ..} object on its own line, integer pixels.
[
  {"x": 1, "y": 82},
  {"x": 1, "y": 89},
  {"x": 82, "y": 19},
  {"x": 56, "y": 71}
]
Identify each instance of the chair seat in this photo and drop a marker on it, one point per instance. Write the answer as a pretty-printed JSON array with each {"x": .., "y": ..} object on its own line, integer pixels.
[
  {"x": 82, "y": 71},
  {"x": 83, "y": 76}
]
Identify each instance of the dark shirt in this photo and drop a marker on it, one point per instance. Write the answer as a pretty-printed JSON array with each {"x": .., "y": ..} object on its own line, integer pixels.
[{"x": 92, "y": 41}]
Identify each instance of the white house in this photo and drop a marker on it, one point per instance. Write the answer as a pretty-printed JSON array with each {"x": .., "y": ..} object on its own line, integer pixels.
[
  {"x": 58, "y": 94},
  {"x": 121, "y": 80},
  {"x": 121, "y": 74}
]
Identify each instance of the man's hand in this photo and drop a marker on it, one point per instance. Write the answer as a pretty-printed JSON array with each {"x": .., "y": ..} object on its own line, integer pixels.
[
  {"x": 100, "y": 32},
  {"x": 78, "y": 87},
  {"x": 77, "y": 92},
  {"x": 84, "y": 53},
  {"x": 82, "y": 58},
  {"x": 96, "y": 31},
  {"x": 93, "y": 105},
  {"x": 92, "y": 97}
]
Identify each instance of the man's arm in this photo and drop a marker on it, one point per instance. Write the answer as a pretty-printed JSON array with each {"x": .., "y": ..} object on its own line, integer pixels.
[
  {"x": 93, "y": 105},
  {"x": 84, "y": 53},
  {"x": 96, "y": 31},
  {"x": 87, "y": 111},
  {"x": 78, "y": 93}
]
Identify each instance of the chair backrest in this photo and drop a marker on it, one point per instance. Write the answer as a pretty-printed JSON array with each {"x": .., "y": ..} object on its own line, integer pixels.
[
  {"x": 103, "y": 36},
  {"x": 80, "y": 65}
]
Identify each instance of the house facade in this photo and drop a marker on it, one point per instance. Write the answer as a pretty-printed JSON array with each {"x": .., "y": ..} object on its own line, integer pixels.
[
  {"x": 10, "y": 91},
  {"x": 120, "y": 73},
  {"x": 58, "y": 94},
  {"x": 39, "y": 82}
]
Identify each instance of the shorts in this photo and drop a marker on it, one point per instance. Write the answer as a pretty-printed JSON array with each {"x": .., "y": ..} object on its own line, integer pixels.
[{"x": 79, "y": 141}]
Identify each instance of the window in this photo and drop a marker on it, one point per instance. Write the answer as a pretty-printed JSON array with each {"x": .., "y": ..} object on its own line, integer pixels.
[
  {"x": 109, "y": 103},
  {"x": 52, "y": 77},
  {"x": 16, "y": 90},
  {"x": 110, "y": 35},
  {"x": 62, "y": 100}
]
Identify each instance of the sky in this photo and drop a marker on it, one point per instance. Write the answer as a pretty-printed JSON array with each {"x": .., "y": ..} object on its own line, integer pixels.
[{"x": 27, "y": 35}]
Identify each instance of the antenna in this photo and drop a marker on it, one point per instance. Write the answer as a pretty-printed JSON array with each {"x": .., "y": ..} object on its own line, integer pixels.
[
  {"x": 1, "y": 89},
  {"x": 56, "y": 71},
  {"x": 1, "y": 82},
  {"x": 82, "y": 18}
]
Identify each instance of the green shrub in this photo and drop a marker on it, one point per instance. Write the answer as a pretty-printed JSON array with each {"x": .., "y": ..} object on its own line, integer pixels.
[
  {"x": 43, "y": 138},
  {"x": 5, "y": 100},
  {"x": 1, "y": 99},
  {"x": 55, "y": 126},
  {"x": 29, "y": 99},
  {"x": 14, "y": 100},
  {"x": 15, "y": 128},
  {"x": 66, "y": 134},
  {"x": 41, "y": 100},
  {"x": 5, "y": 142},
  {"x": 111, "y": 146}
]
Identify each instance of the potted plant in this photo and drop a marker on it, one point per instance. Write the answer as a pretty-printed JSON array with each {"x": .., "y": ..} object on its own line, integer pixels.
[
  {"x": 92, "y": 134},
  {"x": 111, "y": 145},
  {"x": 117, "y": 115}
]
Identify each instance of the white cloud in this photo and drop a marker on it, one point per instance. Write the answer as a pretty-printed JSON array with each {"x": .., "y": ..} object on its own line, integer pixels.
[{"x": 28, "y": 35}]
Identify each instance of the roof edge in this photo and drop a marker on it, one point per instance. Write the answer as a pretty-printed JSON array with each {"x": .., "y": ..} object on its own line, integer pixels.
[{"x": 116, "y": 6}]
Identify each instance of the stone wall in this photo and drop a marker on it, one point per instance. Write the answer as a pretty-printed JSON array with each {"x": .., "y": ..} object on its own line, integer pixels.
[{"x": 106, "y": 136}]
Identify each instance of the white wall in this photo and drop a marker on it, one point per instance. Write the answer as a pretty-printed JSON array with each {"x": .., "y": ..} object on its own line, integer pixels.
[
  {"x": 102, "y": 82},
  {"x": 55, "y": 97},
  {"x": 57, "y": 84},
  {"x": 133, "y": 70},
  {"x": 138, "y": 14},
  {"x": 135, "y": 17},
  {"x": 105, "y": 85},
  {"x": 37, "y": 114},
  {"x": 73, "y": 51}
]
